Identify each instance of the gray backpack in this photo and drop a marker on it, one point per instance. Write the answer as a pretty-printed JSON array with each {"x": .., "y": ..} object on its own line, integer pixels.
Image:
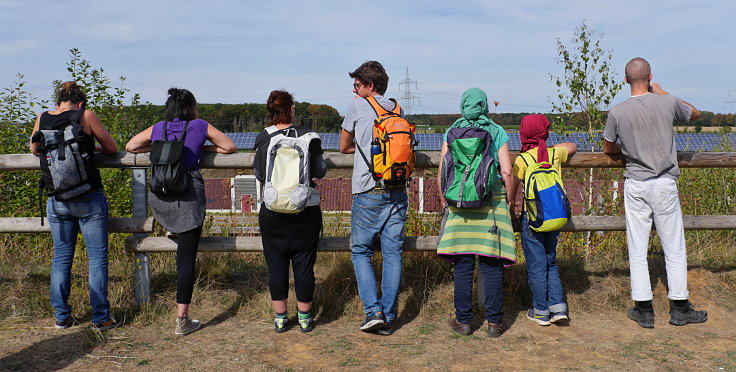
[
  {"x": 67, "y": 165},
  {"x": 287, "y": 181}
]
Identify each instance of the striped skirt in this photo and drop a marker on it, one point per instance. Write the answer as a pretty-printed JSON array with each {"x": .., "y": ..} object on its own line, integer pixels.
[{"x": 485, "y": 231}]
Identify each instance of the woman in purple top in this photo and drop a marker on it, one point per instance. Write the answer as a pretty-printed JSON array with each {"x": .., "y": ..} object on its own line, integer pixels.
[{"x": 183, "y": 214}]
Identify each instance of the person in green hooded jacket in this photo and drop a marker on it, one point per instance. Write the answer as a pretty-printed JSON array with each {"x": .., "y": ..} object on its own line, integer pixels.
[{"x": 484, "y": 233}]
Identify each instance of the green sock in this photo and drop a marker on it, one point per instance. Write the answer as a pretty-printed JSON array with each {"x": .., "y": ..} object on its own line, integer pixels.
[
  {"x": 304, "y": 315},
  {"x": 282, "y": 315}
]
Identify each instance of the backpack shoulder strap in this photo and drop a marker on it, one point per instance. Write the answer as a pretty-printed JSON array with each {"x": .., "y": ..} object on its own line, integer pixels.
[
  {"x": 76, "y": 116},
  {"x": 524, "y": 158},
  {"x": 184, "y": 131},
  {"x": 397, "y": 108},
  {"x": 309, "y": 136},
  {"x": 377, "y": 108},
  {"x": 271, "y": 129}
]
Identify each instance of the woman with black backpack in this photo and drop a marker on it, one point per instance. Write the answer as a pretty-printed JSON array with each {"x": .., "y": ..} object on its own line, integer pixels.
[
  {"x": 181, "y": 211},
  {"x": 77, "y": 202}
]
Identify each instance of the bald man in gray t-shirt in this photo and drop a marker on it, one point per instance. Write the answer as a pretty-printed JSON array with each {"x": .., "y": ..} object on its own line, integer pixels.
[{"x": 643, "y": 126}]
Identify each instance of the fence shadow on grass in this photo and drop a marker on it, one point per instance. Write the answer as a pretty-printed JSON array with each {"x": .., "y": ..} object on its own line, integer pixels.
[
  {"x": 334, "y": 292},
  {"x": 423, "y": 273},
  {"x": 247, "y": 278},
  {"x": 51, "y": 354}
]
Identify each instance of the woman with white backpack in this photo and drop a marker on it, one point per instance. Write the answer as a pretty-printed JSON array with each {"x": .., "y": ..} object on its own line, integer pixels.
[{"x": 287, "y": 157}]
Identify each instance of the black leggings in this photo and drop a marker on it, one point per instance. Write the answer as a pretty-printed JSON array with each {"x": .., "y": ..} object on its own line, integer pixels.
[
  {"x": 290, "y": 238},
  {"x": 186, "y": 254}
]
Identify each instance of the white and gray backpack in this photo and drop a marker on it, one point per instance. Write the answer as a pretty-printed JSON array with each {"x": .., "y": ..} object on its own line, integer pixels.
[{"x": 287, "y": 180}]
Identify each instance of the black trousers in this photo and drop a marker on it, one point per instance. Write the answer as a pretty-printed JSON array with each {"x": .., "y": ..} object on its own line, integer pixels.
[
  {"x": 186, "y": 255},
  {"x": 290, "y": 238}
]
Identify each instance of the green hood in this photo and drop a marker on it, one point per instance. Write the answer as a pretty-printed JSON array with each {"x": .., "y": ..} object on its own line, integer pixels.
[{"x": 474, "y": 108}]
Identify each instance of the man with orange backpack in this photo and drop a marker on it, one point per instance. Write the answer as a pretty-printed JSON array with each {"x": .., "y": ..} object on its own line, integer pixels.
[{"x": 383, "y": 143}]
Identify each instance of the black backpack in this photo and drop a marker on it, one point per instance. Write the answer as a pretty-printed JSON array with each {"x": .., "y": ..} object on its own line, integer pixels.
[
  {"x": 169, "y": 174},
  {"x": 67, "y": 163}
]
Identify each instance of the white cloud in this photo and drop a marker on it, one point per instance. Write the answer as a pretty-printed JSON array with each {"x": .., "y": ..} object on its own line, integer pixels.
[{"x": 232, "y": 51}]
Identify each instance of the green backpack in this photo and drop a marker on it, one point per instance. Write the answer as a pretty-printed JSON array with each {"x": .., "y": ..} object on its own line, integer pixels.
[
  {"x": 468, "y": 168},
  {"x": 547, "y": 206}
]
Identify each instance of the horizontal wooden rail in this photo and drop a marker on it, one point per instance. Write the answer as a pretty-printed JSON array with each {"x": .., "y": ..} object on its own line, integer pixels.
[
  {"x": 115, "y": 225},
  {"x": 425, "y": 159},
  {"x": 253, "y": 244},
  {"x": 411, "y": 243}
]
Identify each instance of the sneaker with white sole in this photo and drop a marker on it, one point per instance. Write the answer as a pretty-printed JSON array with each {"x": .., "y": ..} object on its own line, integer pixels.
[
  {"x": 373, "y": 322},
  {"x": 64, "y": 324},
  {"x": 558, "y": 317},
  {"x": 186, "y": 325},
  {"x": 540, "y": 319}
]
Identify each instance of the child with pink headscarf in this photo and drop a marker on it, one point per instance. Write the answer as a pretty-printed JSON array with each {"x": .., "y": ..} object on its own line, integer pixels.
[{"x": 540, "y": 248}]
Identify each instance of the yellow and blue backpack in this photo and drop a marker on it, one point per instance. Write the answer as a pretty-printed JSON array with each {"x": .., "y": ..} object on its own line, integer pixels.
[{"x": 546, "y": 204}]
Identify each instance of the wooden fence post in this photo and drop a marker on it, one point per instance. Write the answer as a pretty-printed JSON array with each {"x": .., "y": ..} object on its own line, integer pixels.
[{"x": 142, "y": 263}]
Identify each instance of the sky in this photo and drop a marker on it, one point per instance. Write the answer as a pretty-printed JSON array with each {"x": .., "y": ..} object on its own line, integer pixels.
[{"x": 239, "y": 51}]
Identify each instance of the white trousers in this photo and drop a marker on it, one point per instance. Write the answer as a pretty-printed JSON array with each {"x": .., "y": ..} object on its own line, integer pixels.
[{"x": 655, "y": 199}]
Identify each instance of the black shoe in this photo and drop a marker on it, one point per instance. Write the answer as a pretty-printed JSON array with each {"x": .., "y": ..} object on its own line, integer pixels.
[
  {"x": 373, "y": 322},
  {"x": 66, "y": 323},
  {"x": 645, "y": 318},
  {"x": 387, "y": 329},
  {"x": 680, "y": 317}
]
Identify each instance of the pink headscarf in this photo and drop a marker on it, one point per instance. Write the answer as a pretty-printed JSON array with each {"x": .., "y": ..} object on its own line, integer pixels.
[{"x": 534, "y": 132}]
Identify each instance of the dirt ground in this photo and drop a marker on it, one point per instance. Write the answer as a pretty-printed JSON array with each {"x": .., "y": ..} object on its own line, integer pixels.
[{"x": 591, "y": 341}]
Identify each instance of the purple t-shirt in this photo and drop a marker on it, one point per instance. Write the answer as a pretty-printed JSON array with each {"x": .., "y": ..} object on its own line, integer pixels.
[{"x": 193, "y": 143}]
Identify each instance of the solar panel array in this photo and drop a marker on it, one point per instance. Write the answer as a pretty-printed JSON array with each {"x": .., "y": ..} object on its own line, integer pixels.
[{"x": 585, "y": 141}]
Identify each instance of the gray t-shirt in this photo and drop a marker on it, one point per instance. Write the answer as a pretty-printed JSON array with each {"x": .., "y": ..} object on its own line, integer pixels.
[
  {"x": 644, "y": 126},
  {"x": 359, "y": 121}
]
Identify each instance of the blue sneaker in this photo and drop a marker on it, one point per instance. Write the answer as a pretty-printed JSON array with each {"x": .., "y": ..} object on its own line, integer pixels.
[
  {"x": 373, "y": 322},
  {"x": 540, "y": 319}
]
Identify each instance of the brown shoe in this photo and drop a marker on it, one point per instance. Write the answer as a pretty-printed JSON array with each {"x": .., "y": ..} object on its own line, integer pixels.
[
  {"x": 496, "y": 329},
  {"x": 461, "y": 328}
]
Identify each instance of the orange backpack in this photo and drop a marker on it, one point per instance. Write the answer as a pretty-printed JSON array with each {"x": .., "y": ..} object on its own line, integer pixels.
[{"x": 392, "y": 147}]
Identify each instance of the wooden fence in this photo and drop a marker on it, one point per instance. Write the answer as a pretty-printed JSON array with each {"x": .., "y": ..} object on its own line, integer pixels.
[{"x": 140, "y": 224}]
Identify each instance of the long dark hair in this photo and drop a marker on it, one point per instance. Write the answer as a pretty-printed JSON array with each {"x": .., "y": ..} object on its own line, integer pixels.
[
  {"x": 180, "y": 104},
  {"x": 279, "y": 107},
  {"x": 71, "y": 92}
]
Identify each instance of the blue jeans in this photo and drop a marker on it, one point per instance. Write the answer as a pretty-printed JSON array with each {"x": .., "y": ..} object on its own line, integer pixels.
[
  {"x": 492, "y": 270},
  {"x": 540, "y": 251},
  {"x": 88, "y": 214},
  {"x": 378, "y": 216}
]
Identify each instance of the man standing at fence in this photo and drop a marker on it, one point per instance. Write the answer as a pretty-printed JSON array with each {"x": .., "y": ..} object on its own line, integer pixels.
[
  {"x": 643, "y": 124},
  {"x": 378, "y": 211}
]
